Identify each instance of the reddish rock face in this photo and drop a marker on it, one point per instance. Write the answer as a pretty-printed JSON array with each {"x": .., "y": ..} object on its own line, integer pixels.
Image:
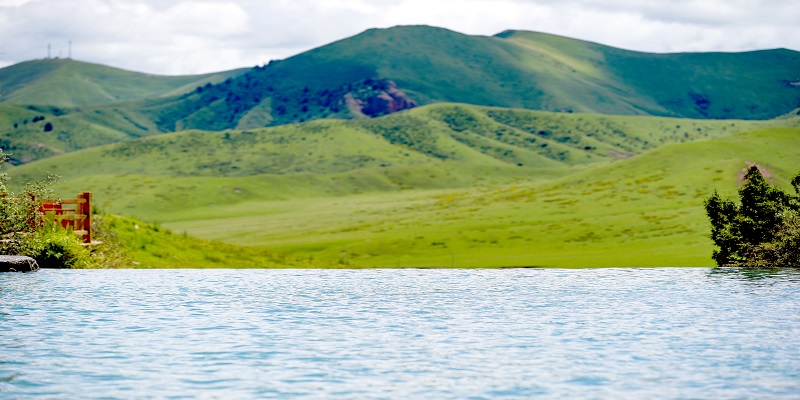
[{"x": 387, "y": 101}]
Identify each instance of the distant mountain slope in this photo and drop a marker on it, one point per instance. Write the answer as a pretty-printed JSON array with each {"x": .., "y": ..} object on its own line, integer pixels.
[
  {"x": 360, "y": 199},
  {"x": 749, "y": 85},
  {"x": 68, "y": 83},
  {"x": 382, "y": 71},
  {"x": 35, "y": 132},
  {"x": 639, "y": 212},
  {"x": 431, "y": 137},
  {"x": 390, "y": 69}
]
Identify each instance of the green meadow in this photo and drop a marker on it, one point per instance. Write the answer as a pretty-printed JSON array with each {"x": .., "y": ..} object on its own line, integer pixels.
[
  {"x": 439, "y": 186},
  {"x": 281, "y": 165},
  {"x": 639, "y": 212},
  {"x": 148, "y": 245}
]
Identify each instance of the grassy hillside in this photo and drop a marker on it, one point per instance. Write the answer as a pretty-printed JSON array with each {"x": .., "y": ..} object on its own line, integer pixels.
[
  {"x": 644, "y": 211},
  {"x": 53, "y": 107},
  {"x": 35, "y": 132},
  {"x": 513, "y": 69},
  {"x": 382, "y": 71},
  {"x": 750, "y": 85},
  {"x": 440, "y": 185},
  {"x": 69, "y": 83},
  {"x": 153, "y": 246},
  {"x": 432, "y": 135}
]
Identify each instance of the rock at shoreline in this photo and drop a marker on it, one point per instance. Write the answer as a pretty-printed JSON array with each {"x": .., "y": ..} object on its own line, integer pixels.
[{"x": 17, "y": 264}]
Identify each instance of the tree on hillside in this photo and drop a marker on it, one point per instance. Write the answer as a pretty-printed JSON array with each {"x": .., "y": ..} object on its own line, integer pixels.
[{"x": 763, "y": 231}]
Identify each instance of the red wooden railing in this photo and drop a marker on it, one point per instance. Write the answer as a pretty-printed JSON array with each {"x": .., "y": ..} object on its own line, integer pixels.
[{"x": 75, "y": 213}]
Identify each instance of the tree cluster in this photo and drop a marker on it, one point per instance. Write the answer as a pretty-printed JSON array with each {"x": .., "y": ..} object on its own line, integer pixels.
[{"x": 762, "y": 231}]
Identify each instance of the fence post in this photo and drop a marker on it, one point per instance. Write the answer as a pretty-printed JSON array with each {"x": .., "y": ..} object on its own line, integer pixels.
[{"x": 85, "y": 209}]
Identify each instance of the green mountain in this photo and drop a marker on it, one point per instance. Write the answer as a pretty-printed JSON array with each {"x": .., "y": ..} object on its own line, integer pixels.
[
  {"x": 416, "y": 146},
  {"x": 429, "y": 135},
  {"x": 69, "y": 83},
  {"x": 34, "y": 132},
  {"x": 382, "y": 70},
  {"x": 494, "y": 186}
]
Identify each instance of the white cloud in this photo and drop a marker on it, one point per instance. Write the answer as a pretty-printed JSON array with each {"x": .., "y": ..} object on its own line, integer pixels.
[{"x": 193, "y": 36}]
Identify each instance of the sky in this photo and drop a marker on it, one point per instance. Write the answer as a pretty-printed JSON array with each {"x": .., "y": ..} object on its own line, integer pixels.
[{"x": 199, "y": 36}]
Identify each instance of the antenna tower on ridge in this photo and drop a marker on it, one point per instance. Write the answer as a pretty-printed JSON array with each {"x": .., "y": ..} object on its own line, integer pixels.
[
  {"x": 48, "y": 51},
  {"x": 69, "y": 55}
]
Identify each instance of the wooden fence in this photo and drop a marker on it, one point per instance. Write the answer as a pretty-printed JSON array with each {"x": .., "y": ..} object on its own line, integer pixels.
[{"x": 75, "y": 213}]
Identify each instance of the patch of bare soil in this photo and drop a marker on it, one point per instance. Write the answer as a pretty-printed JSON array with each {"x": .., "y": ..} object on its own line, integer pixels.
[{"x": 740, "y": 176}]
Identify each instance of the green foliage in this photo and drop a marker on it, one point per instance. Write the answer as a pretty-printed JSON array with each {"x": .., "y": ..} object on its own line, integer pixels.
[
  {"x": 54, "y": 247},
  {"x": 760, "y": 232},
  {"x": 109, "y": 250},
  {"x": 25, "y": 230},
  {"x": 18, "y": 211}
]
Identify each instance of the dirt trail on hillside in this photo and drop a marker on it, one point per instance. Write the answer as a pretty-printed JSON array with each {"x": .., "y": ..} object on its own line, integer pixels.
[{"x": 740, "y": 176}]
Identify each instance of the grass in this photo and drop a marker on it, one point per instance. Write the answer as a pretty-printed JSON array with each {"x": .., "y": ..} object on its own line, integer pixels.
[
  {"x": 645, "y": 211},
  {"x": 69, "y": 83},
  {"x": 432, "y": 135},
  {"x": 153, "y": 246},
  {"x": 440, "y": 186},
  {"x": 515, "y": 69},
  {"x": 89, "y": 105}
]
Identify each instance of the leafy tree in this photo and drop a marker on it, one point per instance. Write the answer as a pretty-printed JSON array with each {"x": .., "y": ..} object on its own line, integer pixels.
[{"x": 762, "y": 231}]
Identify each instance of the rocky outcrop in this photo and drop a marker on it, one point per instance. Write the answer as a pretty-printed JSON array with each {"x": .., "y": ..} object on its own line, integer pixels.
[
  {"x": 383, "y": 98},
  {"x": 17, "y": 264}
]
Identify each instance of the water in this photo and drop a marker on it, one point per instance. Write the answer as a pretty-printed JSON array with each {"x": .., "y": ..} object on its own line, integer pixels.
[{"x": 606, "y": 333}]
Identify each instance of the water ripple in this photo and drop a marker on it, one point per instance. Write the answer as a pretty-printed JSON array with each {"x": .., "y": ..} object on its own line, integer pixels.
[{"x": 608, "y": 333}]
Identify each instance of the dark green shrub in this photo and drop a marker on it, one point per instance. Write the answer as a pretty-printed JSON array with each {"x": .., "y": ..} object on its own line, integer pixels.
[
  {"x": 763, "y": 231},
  {"x": 19, "y": 215},
  {"x": 24, "y": 230},
  {"x": 55, "y": 247}
]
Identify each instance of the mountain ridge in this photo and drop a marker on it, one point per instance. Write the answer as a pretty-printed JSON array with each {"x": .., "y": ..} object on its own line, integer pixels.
[
  {"x": 520, "y": 70},
  {"x": 72, "y": 83},
  {"x": 381, "y": 71}
]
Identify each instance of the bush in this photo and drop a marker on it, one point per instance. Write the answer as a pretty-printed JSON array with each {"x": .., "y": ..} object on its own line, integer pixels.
[
  {"x": 110, "y": 252},
  {"x": 55, "y": 247},
  {"x": 19, "y": 214},
  {"x": 763, "y": 231},
  {"x": 25, "y": 231}
]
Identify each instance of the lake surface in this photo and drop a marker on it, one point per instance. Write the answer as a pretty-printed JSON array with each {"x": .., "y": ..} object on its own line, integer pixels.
[{"x": 516, "y": 333}]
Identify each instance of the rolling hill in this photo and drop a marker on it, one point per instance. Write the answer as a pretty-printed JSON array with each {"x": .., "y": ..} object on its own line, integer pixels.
[
  {"x": 429, "y": 135},
  {"x": 415, "y": 146},
  {"x": 382, "y": 70},
  {"x": 481, "y": 185},
  {"x": 70, "y": 83},
  {"x": 35, "y": 132}
]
